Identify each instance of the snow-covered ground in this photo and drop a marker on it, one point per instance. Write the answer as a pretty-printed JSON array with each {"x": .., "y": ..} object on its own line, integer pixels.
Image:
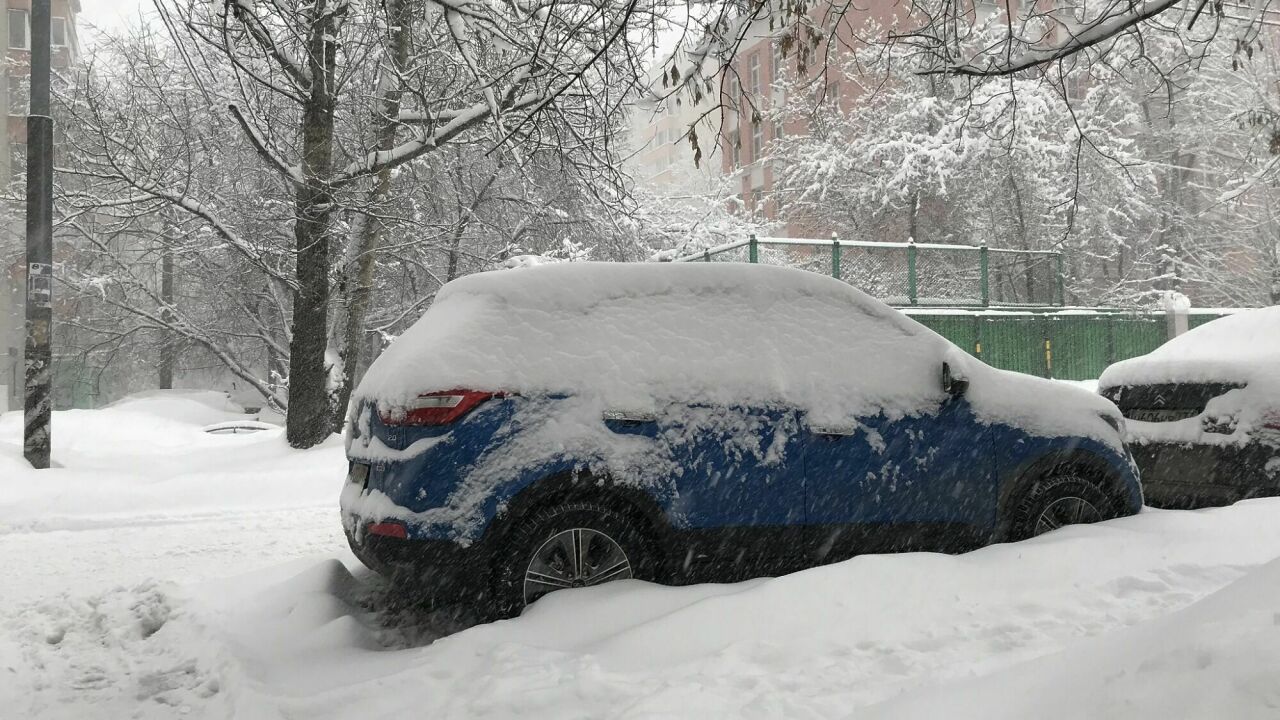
[{"x": 165, "y": 572}]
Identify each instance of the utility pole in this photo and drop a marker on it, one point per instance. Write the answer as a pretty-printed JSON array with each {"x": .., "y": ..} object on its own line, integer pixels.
[{"x": 39, "y": 302}]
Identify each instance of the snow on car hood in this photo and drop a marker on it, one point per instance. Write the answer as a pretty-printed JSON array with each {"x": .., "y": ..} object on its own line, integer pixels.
[{"x": 641, "y": 336}]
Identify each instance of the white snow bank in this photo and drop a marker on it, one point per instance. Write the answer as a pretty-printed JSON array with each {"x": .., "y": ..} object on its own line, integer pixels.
[
  {"x": 1219, "y": 658},
  {"x": 836, "y": 641},
  {"x": 640, "y": 336},
  {"x": 197, "y": 407},
  {"x": 92, "y": 621},
  {"x": 150, "y": 456},
  {"x": 92, "y": 626}
]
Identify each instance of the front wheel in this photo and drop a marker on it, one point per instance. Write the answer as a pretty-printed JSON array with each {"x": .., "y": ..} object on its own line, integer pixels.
[
  {"x": 1057, "y": 500},
  {"x": 573, "y": 545}
]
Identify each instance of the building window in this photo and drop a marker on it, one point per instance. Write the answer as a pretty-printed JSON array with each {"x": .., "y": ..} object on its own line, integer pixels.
[
  {"x": 1075, "y": 86},
  {"x": 18, "y": 37},
  {"x": 19, "y": 95},
  {"x": 757, "y": 139},
  {"x": 735, "y": 148},
  {"x": 828, "y": 95},
  {"x": 778, "y": 60},
  {"x": 58, "y": 32},
  {"x": 753, "y": 72},
  {"x": 733, "y": 94}
]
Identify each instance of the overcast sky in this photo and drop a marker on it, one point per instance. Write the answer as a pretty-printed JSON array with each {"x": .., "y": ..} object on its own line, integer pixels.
[{"x": 109, "y": 15}]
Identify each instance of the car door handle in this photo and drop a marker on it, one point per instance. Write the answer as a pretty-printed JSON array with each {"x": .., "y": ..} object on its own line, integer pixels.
[{"x": 834, "y": 430}]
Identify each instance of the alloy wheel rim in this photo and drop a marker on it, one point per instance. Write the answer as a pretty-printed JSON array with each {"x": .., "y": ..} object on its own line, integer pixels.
[
  {"x": 1069, "y": 510},
  {"x": 579, "y": 557}
]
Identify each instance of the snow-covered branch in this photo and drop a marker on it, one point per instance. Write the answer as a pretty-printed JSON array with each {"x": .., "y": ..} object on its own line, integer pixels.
[
  {"x": 292, "y": 173},
  {"x": 1121, "y": 17}
]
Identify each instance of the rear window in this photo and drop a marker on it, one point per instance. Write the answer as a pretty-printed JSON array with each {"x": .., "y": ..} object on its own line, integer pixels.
[{"x": 1165, "y": 401}]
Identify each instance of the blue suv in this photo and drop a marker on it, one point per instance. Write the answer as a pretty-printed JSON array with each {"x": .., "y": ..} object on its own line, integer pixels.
[{"x": 567, "y": 425}]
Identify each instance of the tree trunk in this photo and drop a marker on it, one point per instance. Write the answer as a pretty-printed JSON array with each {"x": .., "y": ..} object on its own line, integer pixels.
[
  {"x": 1020, "y": 220},
  {"x": 356, "y": 280},
  {"x": 168, "y": 349},
  {"x": 308, "y": 422}
]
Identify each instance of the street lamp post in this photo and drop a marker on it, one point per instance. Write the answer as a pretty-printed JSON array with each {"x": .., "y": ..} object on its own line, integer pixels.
[{"x": 39, "y": 301}]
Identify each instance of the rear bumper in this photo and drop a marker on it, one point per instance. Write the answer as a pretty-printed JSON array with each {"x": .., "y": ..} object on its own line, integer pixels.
[
  {"x": 436, "y": 572},
  {"x": 1188, "y": 475}
]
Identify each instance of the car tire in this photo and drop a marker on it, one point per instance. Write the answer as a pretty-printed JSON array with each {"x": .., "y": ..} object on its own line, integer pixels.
[
  {"x": 1055, "y": 500},
  {"x": 537, "y": 555}
]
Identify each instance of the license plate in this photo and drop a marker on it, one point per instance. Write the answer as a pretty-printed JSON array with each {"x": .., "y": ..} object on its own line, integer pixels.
[
  {"x": 358, "y": 474},
  {"x": 1162, "y": 414}
]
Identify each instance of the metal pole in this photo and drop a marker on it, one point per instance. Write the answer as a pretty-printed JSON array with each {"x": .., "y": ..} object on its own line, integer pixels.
[
  {"x": 1062, "y": 282},
  {"x": 835, "y": 256},
  {"x": 39, "y": 303},
  {"x": 985, "y": 262},
  {"x": 753, "y": 249},
  {"x": 911, "y": 272}
]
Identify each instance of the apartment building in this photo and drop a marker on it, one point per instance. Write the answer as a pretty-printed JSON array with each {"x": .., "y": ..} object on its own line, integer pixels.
[
  {"x": 15, "y": 91},
  {"x": 661, "y": 153},
  {"x": 750, "y": 91}
]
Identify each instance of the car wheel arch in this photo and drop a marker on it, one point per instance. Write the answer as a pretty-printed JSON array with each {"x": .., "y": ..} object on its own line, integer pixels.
[
  {"x": 1086, "y": 464},
  {"x": 572, "y": 487}
]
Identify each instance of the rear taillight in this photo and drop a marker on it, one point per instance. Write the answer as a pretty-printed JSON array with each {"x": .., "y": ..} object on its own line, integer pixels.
[
  {"x": 437, "y": 408},
  {"x": 389, "y": 529}
]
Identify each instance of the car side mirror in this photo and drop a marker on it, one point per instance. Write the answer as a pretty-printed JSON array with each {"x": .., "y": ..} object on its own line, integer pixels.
[{"x": 953, "y": 384}]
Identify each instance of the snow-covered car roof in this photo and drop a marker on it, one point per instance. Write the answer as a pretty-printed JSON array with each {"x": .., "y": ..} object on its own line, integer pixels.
[
  {"x": 639, "y": 335},
  {"x": 635, "y": 334},
  {"x": 1239, "y": 348}
]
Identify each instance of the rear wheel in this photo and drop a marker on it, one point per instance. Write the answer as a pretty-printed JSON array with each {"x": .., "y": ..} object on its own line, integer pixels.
[
  {"x": 573, "y": 545},
  {"x": 1056, "y": 500}
]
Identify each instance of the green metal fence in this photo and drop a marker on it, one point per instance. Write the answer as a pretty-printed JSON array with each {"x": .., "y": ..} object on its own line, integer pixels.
[
  {"x": 912, "y": 274},
  {"x": 1068, "y": 344}
]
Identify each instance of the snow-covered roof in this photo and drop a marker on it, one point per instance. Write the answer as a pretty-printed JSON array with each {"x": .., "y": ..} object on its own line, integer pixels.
[
  {"x": 641, "y": 335},
  {"x": 635, "y": 334},
  {"x": 1242, "y": 347}
]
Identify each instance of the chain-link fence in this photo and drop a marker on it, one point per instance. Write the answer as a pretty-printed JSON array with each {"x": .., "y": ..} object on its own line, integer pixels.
[
  {"x": 911, "y": 274},
  {"x": 1018, "y": 277}
]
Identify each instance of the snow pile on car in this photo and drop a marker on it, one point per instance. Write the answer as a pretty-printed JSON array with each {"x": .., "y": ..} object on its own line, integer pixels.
[
  {"x": 1241, "y": 349},
  {"x": 637, "y": 334},
  {"x": 640, "y": 336}
]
